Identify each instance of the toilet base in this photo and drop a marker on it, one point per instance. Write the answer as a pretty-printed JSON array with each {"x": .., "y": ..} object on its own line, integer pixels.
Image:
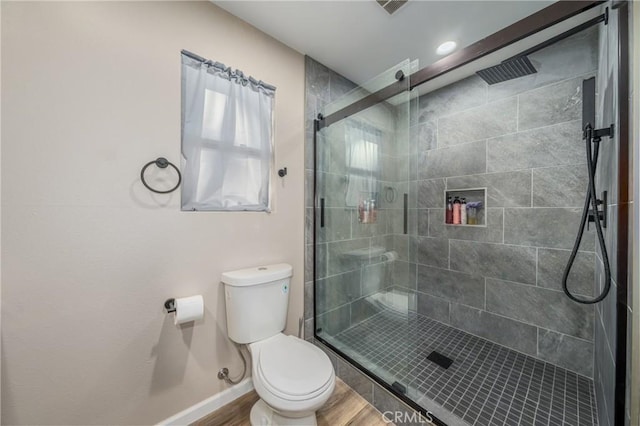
[{"x": 263, "y": 415}]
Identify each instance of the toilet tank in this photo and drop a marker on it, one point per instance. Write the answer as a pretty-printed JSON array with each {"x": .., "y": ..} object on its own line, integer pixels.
[{"x": 256, "y": 300}]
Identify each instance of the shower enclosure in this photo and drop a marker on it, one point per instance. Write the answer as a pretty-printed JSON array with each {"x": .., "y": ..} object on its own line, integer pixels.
[{"x": 468, "y": 323}]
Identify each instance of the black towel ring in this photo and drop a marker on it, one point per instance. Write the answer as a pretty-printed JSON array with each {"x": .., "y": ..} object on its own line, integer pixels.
[{"x": 162, "y": 163}]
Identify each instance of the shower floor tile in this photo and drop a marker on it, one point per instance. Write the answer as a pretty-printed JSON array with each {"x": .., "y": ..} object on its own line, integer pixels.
[{"x": 487, "y": 384}]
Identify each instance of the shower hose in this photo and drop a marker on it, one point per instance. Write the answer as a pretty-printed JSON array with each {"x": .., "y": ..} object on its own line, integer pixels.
[{"x": 590, "y": 201}]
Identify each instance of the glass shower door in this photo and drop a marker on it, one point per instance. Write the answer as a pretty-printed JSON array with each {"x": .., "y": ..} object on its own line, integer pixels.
[{"x": 364, "y": 305}]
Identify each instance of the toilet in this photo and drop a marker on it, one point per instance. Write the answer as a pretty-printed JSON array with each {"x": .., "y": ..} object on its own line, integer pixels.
[{"x": 293, "y": 378}]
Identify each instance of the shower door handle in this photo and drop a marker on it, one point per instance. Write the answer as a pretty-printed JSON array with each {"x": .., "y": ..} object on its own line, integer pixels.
[
  {"x": 321, "y": 212},
  {"x": 406, "y": 214}
]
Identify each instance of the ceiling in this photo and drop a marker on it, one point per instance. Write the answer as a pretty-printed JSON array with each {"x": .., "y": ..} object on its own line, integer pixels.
[{"x": 359, "y": 39}]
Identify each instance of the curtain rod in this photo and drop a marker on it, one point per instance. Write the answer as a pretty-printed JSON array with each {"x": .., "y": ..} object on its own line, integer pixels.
[{"x": 223, "y": 67}]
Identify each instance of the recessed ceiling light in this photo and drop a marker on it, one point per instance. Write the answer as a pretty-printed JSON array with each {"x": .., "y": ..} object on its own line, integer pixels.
[{"x": 446, "y": 47}]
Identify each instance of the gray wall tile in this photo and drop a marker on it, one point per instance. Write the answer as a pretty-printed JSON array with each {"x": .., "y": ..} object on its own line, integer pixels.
[
  {"x": 604, "y": 377},
  {"x": 308, "y": 329},
  {"x": 564, "y": 186},
  {"x": 355, "y": 379},
  {"x": 375, "y": 277},
  {"x": 433, "y": 307},
  {"x": 513, "y": 263},
  {"x": 423, "y": 221},
  {"x": 504, "y": 331},
  {"x": 464, "y": 94},
  {"x": 556, "y": 145},
  {"x": 348, "y": 255},
  {"x": 566, "y": 351},
  {"x": 545, "y": 227},
  {"x": 451, "y": 285},
  {"x": 486, "y": 121},
  {"x": 458, "y": 160},
  {"x": 424, "y": 136},
  {"x": 308, "y": 300},
  {"x": 556, "y": 103},
  {"x": 364, "y": 308},
  {"x": 308, "y": 224},
  {"x": 337, "y": 224},
  {"x": 510, "y": 189},
  {"x": 551, "y": 265},
  {"x": 340, "y": 86},
  {"x": 316, "y": 78},
  {"x": 539, "y": 306},
  {"x": 433, "y": 252},
  {"x": 492, "y": 233},
  {"x": 335, "y": 321},
  {"x": 404, "y": 274},
  {"x": 308, "y": 188},
  {"x": 606, "y": 313},
  {"x": 333, "y": 189},
  {"x": 400, "y": 243},
  {"x": 361, "y": 230},
  {"x": 337, "y": 290},
  {"x": 430, "y": 193}
]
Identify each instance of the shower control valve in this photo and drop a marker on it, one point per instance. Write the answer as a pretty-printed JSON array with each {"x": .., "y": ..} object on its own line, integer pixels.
[{"x": 602, "y": 214}]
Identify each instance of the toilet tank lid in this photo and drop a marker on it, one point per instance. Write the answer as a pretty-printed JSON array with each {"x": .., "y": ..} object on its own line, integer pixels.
[{"x": 257, "y": 275}]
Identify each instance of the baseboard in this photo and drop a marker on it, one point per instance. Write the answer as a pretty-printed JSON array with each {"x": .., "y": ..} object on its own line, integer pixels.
[{"x": 209, "y": 405}]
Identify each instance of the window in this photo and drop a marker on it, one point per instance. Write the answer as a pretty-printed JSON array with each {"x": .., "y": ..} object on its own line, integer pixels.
[
  {"x": 227, "y": 138},
  {"x": 362, "y": 159}
]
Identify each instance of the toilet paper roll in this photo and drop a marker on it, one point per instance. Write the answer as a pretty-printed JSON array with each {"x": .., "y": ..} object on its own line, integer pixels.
[{"x": 189, "y": 309}]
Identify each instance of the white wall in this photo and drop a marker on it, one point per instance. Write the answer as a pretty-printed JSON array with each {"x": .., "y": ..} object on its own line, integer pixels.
[{"x": 91, "y": 92}]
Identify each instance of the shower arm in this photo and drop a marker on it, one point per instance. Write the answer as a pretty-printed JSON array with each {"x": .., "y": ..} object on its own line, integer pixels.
[{"x": 596, "y": 135}]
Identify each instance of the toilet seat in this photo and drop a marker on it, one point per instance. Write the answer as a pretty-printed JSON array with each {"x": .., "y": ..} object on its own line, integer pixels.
[{"x": 292, "y": 369}]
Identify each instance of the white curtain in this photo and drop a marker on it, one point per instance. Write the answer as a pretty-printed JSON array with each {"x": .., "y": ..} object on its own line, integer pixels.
[
  {"x": 362, "y": 144},
  {"x": 227, "y": 138}
]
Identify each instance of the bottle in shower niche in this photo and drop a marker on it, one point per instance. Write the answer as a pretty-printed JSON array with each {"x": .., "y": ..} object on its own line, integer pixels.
[
  {"x": 456, "y": 211},
  {"x": 373, "y": 213},
  {"x": 361, "y": 211},
  {"x": 449, "y": 213},
  {"x": 463, "y": 212}
]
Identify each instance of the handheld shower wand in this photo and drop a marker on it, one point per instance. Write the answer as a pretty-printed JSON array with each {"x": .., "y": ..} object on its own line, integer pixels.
[{"x": 599, "y": 217}]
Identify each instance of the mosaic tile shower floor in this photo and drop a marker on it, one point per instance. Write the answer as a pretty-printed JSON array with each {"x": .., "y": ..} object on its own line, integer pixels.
[{"x": 486, "y": 385}]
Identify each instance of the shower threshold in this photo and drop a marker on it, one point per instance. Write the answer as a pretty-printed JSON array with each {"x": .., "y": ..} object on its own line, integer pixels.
[{"x": 487, "y": 384}]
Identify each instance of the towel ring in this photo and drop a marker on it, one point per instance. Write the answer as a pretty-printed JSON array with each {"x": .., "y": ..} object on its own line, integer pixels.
[{"x": 162, "y": 163}]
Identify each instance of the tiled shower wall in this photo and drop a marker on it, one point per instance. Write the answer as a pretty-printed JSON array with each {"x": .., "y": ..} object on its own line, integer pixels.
[{"x": 522, "y": 140}]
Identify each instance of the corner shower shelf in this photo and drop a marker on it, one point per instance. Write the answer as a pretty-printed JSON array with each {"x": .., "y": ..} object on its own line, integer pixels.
[{"x": 471, "y": 195}]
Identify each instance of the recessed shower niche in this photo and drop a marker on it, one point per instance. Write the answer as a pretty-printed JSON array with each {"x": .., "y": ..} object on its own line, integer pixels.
[{"x": 472, "y": 204}]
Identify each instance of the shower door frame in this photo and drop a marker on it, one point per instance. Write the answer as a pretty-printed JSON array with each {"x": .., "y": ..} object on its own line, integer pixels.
[{"x": 541, "y": 20}]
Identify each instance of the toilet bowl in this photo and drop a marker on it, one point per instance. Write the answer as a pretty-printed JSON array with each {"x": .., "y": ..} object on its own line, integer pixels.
[{"x": 293, "y": 378}]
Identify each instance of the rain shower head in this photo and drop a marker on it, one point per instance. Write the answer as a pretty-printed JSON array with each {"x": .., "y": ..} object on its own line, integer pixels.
[{"x": 508, "y": 70}]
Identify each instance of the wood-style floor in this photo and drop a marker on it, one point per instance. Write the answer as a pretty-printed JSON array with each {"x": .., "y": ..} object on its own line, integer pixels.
[{"x": 345, "y": 407}]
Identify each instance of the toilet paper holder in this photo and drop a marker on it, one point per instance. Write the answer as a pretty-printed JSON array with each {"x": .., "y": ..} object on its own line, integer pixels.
[{"x": 170, "y": 305}]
